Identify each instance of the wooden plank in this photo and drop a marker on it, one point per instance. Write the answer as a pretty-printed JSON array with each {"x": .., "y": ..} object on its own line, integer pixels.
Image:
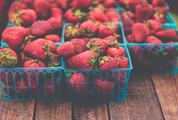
[
  {"x": 141, "y": 102},
  {"x": 90, "y": 112},
  {"x": 167, "y": 90},
  {"x": 53, "y": 111},
  {"x": 10, "y": 110}
]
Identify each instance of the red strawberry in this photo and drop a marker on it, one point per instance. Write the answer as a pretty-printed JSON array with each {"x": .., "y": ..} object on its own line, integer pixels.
[
  {"x": 160, "y": 17},
  {"x": 78, "y": 81},
  {"x": 131, "y": 2},
  {"x": 40, "y": 48},
  {"x": 8, "y": 57},
  {"x": 14, "y": 36},
  {"x": 15, "y": 7},
  {"x": 74, "y": 4},
  {"x": 116, "y": 52},
  {"x": 72, "y": 47},
  {"x": 158, "y": 2},
  {"x": 143, "y": 12},
  {"x": 98, "y": 15},
  {"x": 107, "y": 63},
  {"x": 40, "y": 28},
  {"x": 103, "y": 85},
  {"x": 88, "y": 28},
  {"x": 74, "y": 15},
  {"x": 112, "y": 39},
  {"x": 108, "y": 3},
  {"x": 167, "y": 34},
  {"x": 62, "y": 3},
  {"x": 71, "y": 32},
  {"x": 84, "y": 3},
  {"x": 24, "y": 17},
  {"x": 33, "y": 64},
  {"x": 113, "y": 16},
  {"x": 28, "y": 2},
  {"x": 53, "y": 38},
  {"x": 42, "y": 8},
  {"x": 98, "y": 45},
  {"x": 130, "y": 38},
  {"x": 153, "y": 40},
  {"x": 107, "y": 29},
  {"x": 57, "y": 13},
  {"x": 154, "y": 26},
  {"x": 162, "y": 9},
  {"x": 22, "y": 87},
  {"x": 55, "y": 23},
  {"x": 85, "y": 60},
  {"x": 140, "y": 32}
]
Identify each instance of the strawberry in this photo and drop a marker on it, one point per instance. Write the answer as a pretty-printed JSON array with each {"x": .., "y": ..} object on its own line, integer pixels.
[
  {"x": 140, "y": 32},
  {"x": 53, "y": 60},
  {"x": 74, "y": 4},
  {"x": 53, "y": 38},
  {"x": 33, "y": 64},
  {"x": 107, "y": 29},
  {"x": 22, "y": 87},
  {"x": 62, "y": 3},
  {"x": 24, "y": 17},
  {"x": 40, "y": 48},
  {"x": 8, "y": 57},
  {"x": 85, "y": 3},
  {"x": 130, "y": 38},
  {"x": 169, "y": 34},
  {"x": 78, "y": 81},
  {"x": 72, "y": 15},
  {"x": 112, "y": 39},
  {"x": 40, "y": 28},
  {"x": 154, "y": 26},
  {"x": 98, "y": 45},
  {"x": 55, "y": 23},
  {"x": 113, "y": 16},
  {"x": 28, "y": 2},
  {"x": 153, "y": 40},
  {"x": 107, "y": 63},
  {"x": 72, "y": 47},
  {"x": 103, "y": 85},
  {"x": 98, "y": 15},
  {"x": 143, "y": 12},
  {"x": 161, "y": 9},
  {"x": 159, "y": 16},
  {"x": 108, "y": 3},
  {"x": 42, "y": 8},
  {"x": 15, "y": 7},
  {"x": 57, "y": 13},
  {"x": 88, "y": 28},
  {"x": 14, "y": 36},
  {"x": 85, "y": 60},
  {"x": 71, "y": 32},
  {"x": 116, "y": 51},
  {"x": 158, "y": 2}
]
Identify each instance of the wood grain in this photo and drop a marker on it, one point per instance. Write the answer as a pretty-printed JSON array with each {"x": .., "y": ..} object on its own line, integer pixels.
[
  {"x": 16, "y": 110},
  {"x": 90, "y": 112},
  {"x": 167, "y": 90},
  {"x": 53, "y": 111},
  {"x": 141, "y": 102}
]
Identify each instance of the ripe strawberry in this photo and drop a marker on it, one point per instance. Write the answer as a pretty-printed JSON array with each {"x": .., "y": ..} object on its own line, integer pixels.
[
  {"x": 40, "y": 48},
  {"x": 33, "y": 64},
  {"x": 27, "y": 2},
  {"x": 57, "y": 13},
  {"x": 140, "y": 32},
  {"x": 103, "y": 85},
  {"x": 22, "y": 87},
  {"x": 72, "y": 15},
  {"x": 88, "y": 28},
  {"x": 74, "y": 4},
  {"x": 107, "y": 63},
  {"x": 53, "y": 38},
  {"x": 14, "y": 36},
  {"x": 160, "y": 17},
  {"x": 85, "y": 3},
  {"x": 158, "y": 2},
  {"x": 112, "y": 39},
  {"x": 80, "y": 44},
  {"x": 15, "y": 7},
  {"x": 85, "y": 60},
  {"x": 78, "y": 81},
  {"x": 107, "y": 29},
  {"x": 130, "y": 38},
  {"x": 40, "y": 28},
  {"x": 113, "y": 15},
  {"x": 108, "y": 3},
  {"x": 8, "y": 57},
  {"x": 131, "y": 2},
  {"x": 62, "y": 3},
  {"x": 161, "y": 9},
  {"x": 71, "y": 32},
  {"x": 24, "y": 17},
  {"x": 42, "y": 8},
  {"x": 98, "y": 15},
  {"x": 116, "y": 51},
  {"x": 153, "y": 40},
  {"x": 154, "y": 26},
  {"x": 55, "y": 23},
  {"x": 169, "y": 34},
  {"x": 98, "y": 45},
  {"x": 143, "y": 12}
]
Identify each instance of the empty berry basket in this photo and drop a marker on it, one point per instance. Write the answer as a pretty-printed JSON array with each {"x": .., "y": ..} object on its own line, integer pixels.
[{"x": 98, "y": 85}]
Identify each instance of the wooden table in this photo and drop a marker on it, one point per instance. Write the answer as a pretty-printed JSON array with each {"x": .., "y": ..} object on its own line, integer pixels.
[{"x": 150, "y": 97}]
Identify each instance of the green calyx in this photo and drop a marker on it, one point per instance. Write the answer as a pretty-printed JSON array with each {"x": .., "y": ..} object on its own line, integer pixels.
[
  {"x": 111, "y": 25},
  {"x": 7, "y": 60},
  {"x": 53, "y": 61},
  {"x": 93, "y": 61},
  {"x": 160, "y": 14},
  {"x": 71, "y": 31},
  {"x": 144, "y": 4},
  {"x": 94, "y": 45},
  {"x": 81, "y": 15},
  {"x": 87, "y": 33},
  {"x": 17, "y": 18},
  {"x": 27, "y": 40},
  {"x": 104, "y": 59}
]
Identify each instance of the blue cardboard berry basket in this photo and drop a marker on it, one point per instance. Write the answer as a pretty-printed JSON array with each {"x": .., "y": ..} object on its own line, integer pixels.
[
  {"x": 21, "y": 84},
  {"x": 114, "y": 84}
]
